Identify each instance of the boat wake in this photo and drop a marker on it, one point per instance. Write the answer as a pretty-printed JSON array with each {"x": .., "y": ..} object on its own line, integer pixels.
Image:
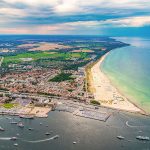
[
  {"x": 5, "y": 138},
  {"x": 44, "y": 140},
  {"x": 132, "y": 126}
]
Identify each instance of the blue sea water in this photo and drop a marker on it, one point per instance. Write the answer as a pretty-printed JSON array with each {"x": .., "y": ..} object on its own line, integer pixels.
[{"x": 129, "y": 70}]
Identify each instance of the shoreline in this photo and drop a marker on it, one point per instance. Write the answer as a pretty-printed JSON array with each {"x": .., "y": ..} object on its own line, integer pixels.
[{"x": 107, "y": 94}]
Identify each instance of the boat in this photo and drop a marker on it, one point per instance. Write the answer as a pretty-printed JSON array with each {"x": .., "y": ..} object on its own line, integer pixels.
[
  {"x": 74, "y": 142},
  {"x": 41, "y": 123},
  {"x": 2, "y": 129},
  {"x": 27, "y": 116},
  {"x": 120, "y": 137},
  {"x": 13, "y": 138},
  {"x": 15, "y": 144},
  {"x": 20, "y": 124},
  {"x": 30, "y": 128},
  {"x": 96, "y": 107},
  {"x": 143, "y": 138},
  {"x": 47, "y": 133},
  {"x": 8, "y": 118},
  {"x": 13, "y": 122}
]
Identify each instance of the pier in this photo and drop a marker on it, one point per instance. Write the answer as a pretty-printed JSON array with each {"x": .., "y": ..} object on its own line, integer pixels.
[{"x": 83, "y": 111}]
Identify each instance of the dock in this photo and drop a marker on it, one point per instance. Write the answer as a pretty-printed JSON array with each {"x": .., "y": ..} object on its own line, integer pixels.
[{"x": 84, "y": 112}]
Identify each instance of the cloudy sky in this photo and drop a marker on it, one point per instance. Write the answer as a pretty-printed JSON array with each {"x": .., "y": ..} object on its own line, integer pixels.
[{"x": 101, "y": 17}]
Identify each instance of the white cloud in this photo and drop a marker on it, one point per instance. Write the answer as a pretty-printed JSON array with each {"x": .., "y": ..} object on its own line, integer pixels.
[
  {"x": 12, "y": 12},
  {"x": 124, "y": 22},
  {"x": 73, "y": 27},
  {"x": 129, "y": 22},
  {"x": 67, "y": 6},
  {"x": 77, "y": 6},
  {"x": 34, "y": 2}
]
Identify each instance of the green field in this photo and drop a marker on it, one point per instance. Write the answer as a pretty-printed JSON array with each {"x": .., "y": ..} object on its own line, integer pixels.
[
  {"x": 42, "y": 55},
  {"x": 61, "y": 77},
  {"x": 8, "y": 105}
]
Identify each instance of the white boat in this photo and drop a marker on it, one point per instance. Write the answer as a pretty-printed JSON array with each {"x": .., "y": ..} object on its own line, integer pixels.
[
  {"x": 20, "y": 124},
  {"x": 2, "y": 129},
  {"x": 145, "y": 138},
  {"x": 74, "y": 142},
  {"x": 30, "y": 128},
  {"x": 120, "y": 137},
  {"x": 15, "y": 144},
  {"x": 47, "y": 133}
]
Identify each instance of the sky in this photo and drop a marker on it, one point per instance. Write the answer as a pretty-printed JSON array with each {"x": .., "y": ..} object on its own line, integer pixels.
[{"x": 83, "y": 17}]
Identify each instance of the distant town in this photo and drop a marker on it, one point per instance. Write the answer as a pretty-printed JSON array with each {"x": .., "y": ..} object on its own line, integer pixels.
[{"x": 34, "y": 74}]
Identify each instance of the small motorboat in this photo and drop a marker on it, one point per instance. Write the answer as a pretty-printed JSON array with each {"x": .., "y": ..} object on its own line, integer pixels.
[
  {"x": 20, "y": 124},
  {"x": 74, "y": 142},
  {"x": 8, "y": 118},
  {"x": 30, "y": 129},
  {"x": 13, "y": 138},
  {"x": 27, "y": 116},
  {"x": 15, "y": 144},
  {"x": 143, "y": 138},
  {"x": 2, "y": 129},
  {"x": 47, "y": 133},
  {"x": 120, "y": 137},
  {"x": 13, "y": 122}
]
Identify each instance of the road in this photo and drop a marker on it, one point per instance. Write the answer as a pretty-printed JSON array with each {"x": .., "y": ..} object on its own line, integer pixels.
[{"x": 1, "y": 60}]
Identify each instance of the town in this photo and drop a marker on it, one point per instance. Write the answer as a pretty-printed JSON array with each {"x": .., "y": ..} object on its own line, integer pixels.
[{"x": 36, "y": 75}]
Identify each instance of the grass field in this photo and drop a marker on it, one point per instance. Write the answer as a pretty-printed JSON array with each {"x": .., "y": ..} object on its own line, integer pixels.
[
  {"x": 61, "y": 77},
  {"x": 8, "y": 105},
  {"x": 42, "y": 55}
]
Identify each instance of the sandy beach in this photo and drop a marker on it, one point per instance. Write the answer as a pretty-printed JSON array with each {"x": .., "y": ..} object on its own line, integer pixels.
[{"x": 106, "y": 93}]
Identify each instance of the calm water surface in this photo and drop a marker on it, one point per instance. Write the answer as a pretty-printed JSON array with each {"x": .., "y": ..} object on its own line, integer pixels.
[{"x": 89, "y": 134}]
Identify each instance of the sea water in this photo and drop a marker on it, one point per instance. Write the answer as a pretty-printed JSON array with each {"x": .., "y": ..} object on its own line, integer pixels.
[{"x": 128, "y": 68}]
